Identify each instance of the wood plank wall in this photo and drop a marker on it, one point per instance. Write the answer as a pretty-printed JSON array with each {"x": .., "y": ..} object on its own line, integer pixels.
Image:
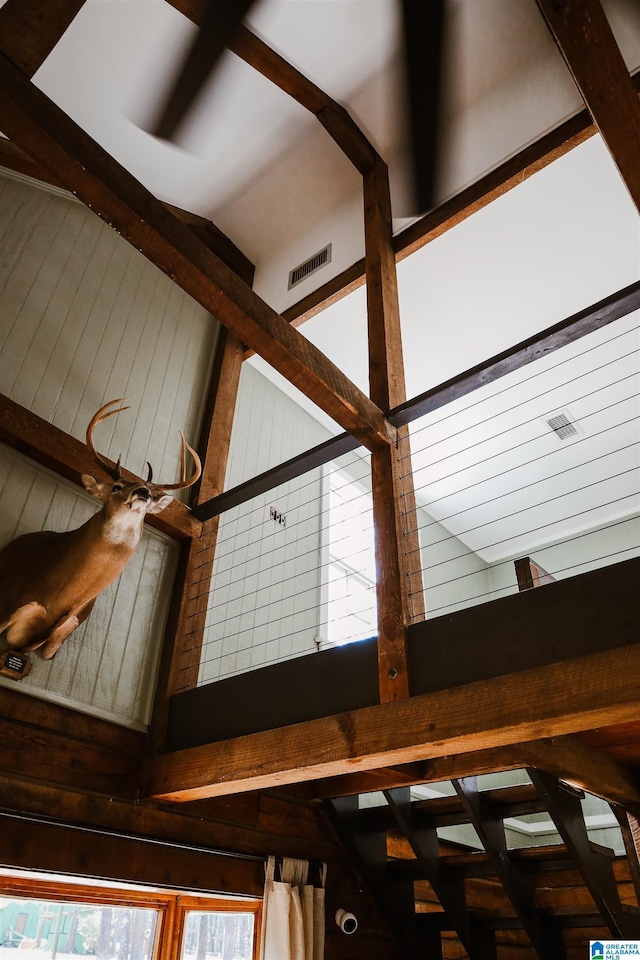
[
  {"x": 108, "y": 666},
  {"x": 85, "y": 318}
]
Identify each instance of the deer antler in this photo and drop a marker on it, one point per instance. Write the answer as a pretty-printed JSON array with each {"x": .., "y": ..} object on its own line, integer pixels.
[
  {"x": 114, "y": 472},
  {"x": 102, "y": 414},
  {"x": 184, "y": 482}
]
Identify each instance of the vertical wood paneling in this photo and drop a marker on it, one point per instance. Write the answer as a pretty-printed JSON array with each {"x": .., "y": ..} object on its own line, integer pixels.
[
  {"x": 107, "y": 666},
  {"x": 264, "y": 604},
  {"x": 85, "y": 318}
]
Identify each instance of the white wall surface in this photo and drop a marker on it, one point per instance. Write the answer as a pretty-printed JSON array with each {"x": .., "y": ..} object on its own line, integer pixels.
[
  {"x": 85, "y": 318},
  {"x": 265, "y": 602}
]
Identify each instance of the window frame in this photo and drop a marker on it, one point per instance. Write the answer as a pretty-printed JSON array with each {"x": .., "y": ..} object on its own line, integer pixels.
[{"x": 172, "y": 905}]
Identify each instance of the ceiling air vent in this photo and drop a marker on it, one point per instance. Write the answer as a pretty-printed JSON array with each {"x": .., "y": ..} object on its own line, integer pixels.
[
  {"x": 562, "y": 426},
  {"x": 310, "y": 266}
]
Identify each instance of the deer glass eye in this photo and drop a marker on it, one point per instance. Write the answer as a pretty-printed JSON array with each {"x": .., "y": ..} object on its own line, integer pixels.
[{"x": 116, "y": 487}]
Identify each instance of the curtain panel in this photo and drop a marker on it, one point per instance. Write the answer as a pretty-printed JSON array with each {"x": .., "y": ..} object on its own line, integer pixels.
[{"x": 292, "y": 913}]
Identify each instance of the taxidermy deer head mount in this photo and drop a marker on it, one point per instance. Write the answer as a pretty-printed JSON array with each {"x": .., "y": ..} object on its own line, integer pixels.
[{"x": 49, "y": 581}]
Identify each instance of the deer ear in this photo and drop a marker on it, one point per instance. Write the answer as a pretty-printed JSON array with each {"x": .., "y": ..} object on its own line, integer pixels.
[
  {"x": 95, "y": 487},
  {"x": 155, "y": 506}
]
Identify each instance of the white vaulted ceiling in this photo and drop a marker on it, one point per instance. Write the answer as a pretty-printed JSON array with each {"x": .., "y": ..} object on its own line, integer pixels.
[
  {"x": 256, "y": 163},
  {"x": 261, "y": 167}
]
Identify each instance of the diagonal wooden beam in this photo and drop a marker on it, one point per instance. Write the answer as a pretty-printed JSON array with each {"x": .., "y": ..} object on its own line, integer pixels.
[
  {"x": 585, "y": 40},
  {"x": 30, "y": 29},
  {"x": 594, "y": 865},
  {"x": 45, "y": 443},
  {"x": 291, "y": 81},
  {"x": 516, "y": 882},
  {"x": 630, "y": 829},
  {"x": 571, "y": 760},
  {"x": 596, "y": 690},
  {"x": 13, "y": 158},
  {"x": 448, "y": 888},
  {"x": 40, "y": 128}
]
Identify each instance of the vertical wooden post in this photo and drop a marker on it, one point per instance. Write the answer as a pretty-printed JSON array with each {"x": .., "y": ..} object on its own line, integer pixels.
[
  {"x": 185, "y": 630},
  {"x": 399, "y": 585}
]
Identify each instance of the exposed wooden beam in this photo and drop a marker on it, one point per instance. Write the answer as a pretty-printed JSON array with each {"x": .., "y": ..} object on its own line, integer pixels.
[
  {"x": 291, "y": 81},
  {"x": 571, "y": 760},
  {"x": 585, "y": 40},
  {"x": 548, "y": 701},
  {"x": 594, "y": 865},
  {"x": 484, "y": 191},
  {"x": 30, "y": 29},
  {"x": 53, "y": 139},
  {"x": 399, "y": 588},
  {"x": 586, "y": 321},
  {"x": 428, "y": 771},
  {"x": 619, "y": 304},
  {"x": 41, "y": 441},
  {"x": 517, "y": 883},
  {"x": 184, "y": 631},
  {"x": 13, "y": 158}
]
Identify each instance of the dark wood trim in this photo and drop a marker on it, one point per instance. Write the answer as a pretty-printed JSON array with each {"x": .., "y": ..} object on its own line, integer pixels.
[
  {"x": 594, "y": 865},
  {"x": 586, "y": 41},
  {"x": 13, "y": 158},
  {"x": 509, "y": 174},
  {"x": 394, "y": 508},
  {"x": 58, "y": 451},
  {"x": 530, "y": 574},
  {"x": 53, "y": 139},
  {"x": 21, "y": 709},
  {"x": 29, "y": 29},
  {"x": 592, "y": 318},
  {"x": 618, "y": 305},
  {"x": 295, "y": 467},
  {"x": 49, "y": 847},
  {"x": 517, "y": 883},
  {"x": 546, "y": 701}
]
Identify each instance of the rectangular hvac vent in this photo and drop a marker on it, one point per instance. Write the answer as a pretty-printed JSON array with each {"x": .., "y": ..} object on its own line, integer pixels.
[
  {"x": 562, "y": 426},
  {"x": 310, "y": 266}
]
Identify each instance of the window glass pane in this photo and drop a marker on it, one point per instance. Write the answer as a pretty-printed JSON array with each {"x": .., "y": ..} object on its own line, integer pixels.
[
  {"x": 61, "y": 930},
  {"x": 222, "y": 935}
]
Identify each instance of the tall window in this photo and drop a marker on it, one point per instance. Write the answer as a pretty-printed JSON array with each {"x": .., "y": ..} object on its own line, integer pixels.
[{"x": 350, "y": 574}]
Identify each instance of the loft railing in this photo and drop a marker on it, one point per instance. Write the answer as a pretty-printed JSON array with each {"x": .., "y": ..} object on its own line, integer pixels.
[{"x": 493, "y": 483}]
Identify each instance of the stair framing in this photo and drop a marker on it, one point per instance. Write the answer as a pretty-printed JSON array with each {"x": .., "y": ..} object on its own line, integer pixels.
[{"x": 546, "y": 902}]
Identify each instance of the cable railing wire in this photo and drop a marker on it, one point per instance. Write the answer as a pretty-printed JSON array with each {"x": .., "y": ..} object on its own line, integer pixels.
[
  {"x": 476, "y": 402},
  {"x": 534, "y": 483}
]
